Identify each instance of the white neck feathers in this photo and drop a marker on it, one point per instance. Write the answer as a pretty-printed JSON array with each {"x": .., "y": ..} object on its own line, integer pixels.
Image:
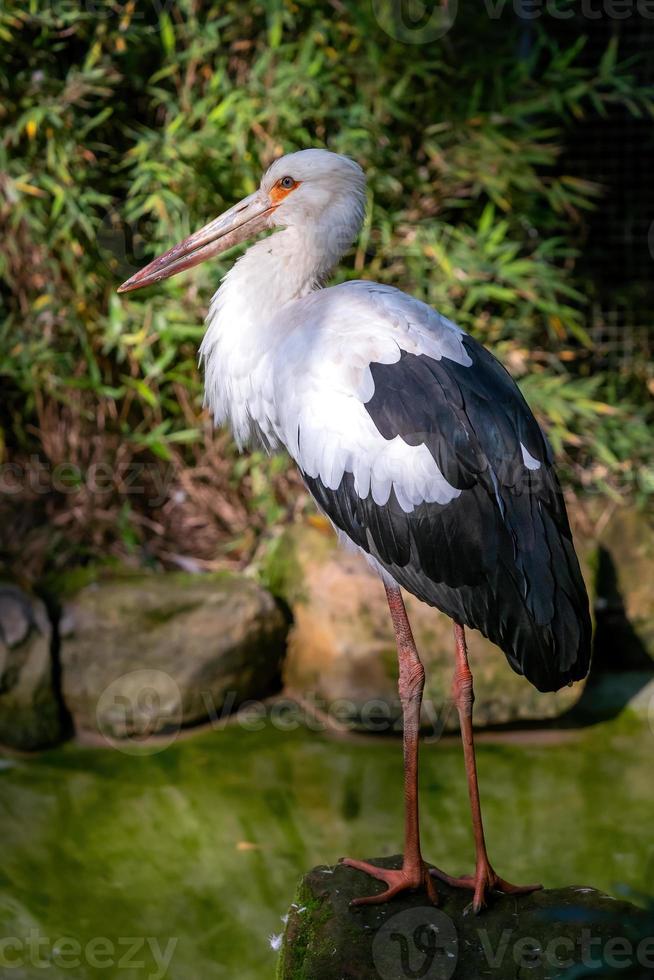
[{"x": 238, "y": 343}]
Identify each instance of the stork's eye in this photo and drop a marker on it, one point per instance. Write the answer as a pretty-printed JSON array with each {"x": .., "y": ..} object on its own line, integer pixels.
[{"x": 287, "y": 183}]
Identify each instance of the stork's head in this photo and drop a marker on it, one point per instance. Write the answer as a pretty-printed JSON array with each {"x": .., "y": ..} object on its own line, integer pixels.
[{"x": 314, "y": 190}]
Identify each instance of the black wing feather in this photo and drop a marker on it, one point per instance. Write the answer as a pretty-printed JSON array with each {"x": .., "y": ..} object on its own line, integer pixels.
[{"x": 499, "y": 557}]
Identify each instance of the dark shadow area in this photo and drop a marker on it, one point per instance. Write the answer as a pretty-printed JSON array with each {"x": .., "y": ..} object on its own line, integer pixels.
[
  {"x": 617, "y": 646},
  {"x": 53, "y": 608},
  {"x": 621, "y": 665},
  {"x": 620, "y": 668}
]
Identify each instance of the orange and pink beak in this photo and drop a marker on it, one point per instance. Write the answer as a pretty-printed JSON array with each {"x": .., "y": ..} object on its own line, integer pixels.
[{"x": 242, "y": 221}]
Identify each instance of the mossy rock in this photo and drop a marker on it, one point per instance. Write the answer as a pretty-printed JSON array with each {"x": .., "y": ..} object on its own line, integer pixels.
[
  {"x": 541, "y": 936},
  {"x": 147, "y": 653}
]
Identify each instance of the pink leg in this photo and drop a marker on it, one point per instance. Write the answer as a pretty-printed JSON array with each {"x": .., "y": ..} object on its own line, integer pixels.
[
  {"x": 413, "y": 873},
  {"x": 484, "y": 879}
]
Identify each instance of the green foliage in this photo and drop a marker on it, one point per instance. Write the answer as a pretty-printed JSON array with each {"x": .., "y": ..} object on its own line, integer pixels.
[{"x": 125, "y": 125}]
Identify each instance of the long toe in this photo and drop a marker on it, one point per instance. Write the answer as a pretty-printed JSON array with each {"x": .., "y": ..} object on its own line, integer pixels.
[
  {"x": 396, "y": 881},
  {"x": 464, "y": 881},
  {"x": 506, "y": 888},
  {"x": 482, "y": 883}
]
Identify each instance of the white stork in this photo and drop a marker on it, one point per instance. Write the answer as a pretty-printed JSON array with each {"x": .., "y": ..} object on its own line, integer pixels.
[{"x": 412, "y": 439}]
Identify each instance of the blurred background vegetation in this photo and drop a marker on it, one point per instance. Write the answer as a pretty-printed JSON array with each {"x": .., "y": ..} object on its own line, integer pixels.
[{"x": 494, "y": 195}]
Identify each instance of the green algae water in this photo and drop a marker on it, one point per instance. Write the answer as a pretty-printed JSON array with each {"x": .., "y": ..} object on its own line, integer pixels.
[{"x": 182, "y": 863}]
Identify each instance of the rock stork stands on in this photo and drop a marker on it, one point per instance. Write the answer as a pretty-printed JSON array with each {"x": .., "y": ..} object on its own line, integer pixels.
[{"x": 411, "y": 437}]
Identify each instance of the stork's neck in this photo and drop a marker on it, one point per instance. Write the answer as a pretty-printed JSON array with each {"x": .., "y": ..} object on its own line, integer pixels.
[
  {"x": 273, "y": 272},
  {"x": 285, "y": 266},
  {"x": 239, "y": 338}
]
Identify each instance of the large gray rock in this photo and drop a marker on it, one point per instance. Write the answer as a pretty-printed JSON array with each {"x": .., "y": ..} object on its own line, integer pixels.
[
  {"x": 30, "y": 714},
  {"x": 342, "y": 654},
  {"x": 576, "y": 932},
  {"x": 146, "y": 654}
]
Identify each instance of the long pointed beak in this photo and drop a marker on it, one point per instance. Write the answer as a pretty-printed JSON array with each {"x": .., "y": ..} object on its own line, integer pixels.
[{"x": 242, "y": 221}]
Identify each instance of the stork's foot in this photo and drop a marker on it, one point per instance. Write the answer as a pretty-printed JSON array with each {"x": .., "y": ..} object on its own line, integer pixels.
[
  {"x": 396, "y": 881},
  {"x": 484, "y": 881}
]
